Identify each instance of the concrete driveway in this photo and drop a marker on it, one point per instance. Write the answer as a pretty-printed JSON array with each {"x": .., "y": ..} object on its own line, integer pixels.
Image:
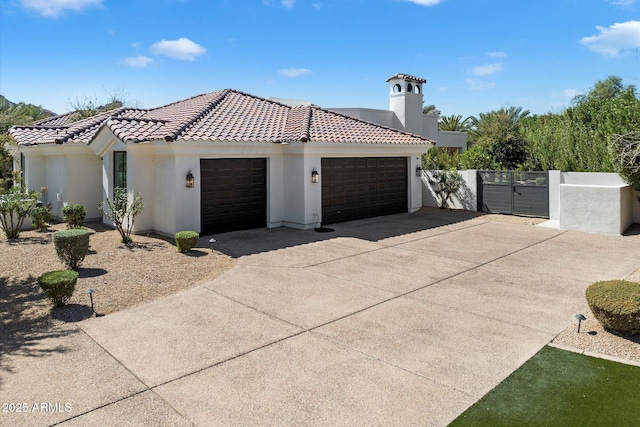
[{"x": 399, "y": 320}]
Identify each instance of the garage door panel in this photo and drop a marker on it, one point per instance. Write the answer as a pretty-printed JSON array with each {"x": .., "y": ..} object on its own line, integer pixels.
[
  {"x": 233, "y": 194},
  {"x": 363, "y": 187}
]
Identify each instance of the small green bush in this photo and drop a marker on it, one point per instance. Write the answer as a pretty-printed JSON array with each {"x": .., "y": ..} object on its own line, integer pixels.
[
  {"x": 616, "y": 305},
  {"x": 58, "y": 285},
  {"x": 41, "y": 216},
  {"x": 540, "y": 181},
  {"x": 72, "y": 246},
  {"x": 73, "y": 215},
  {"x": 185, "y": 240}
]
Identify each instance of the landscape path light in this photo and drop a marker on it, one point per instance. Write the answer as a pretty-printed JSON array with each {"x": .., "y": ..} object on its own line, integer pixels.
[{"x": 580, "y": 318}]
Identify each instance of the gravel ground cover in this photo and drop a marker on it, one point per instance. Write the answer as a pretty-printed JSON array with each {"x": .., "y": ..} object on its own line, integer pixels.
[{"x": 122, "y": 276}]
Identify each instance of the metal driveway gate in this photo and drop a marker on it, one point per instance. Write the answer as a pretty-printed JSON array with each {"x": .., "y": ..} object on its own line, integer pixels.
[{"x": 514, "y": 192}]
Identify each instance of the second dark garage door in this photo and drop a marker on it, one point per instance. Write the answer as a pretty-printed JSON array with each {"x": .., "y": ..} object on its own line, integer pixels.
[
  {"x": 356, "y": 188},
  {"x": 233, "y": 194}
]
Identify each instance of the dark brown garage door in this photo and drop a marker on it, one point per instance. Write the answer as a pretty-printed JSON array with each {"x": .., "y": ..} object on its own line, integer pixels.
[
  {"x": 355, "y": 188},
  {"x": 233, "y": 194}
]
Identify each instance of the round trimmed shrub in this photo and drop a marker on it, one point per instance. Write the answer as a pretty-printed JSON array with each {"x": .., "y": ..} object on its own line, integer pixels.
[
  {"x": 185, "y": 240},
  {"x": 58, "y": 285},
  {"x": 616, "y": 305},
  {"x": 72, "y": 246}
]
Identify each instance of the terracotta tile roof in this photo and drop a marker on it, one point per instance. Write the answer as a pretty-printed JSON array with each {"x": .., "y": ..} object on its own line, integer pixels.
[
  {"x": 407, "y": 77},
  {"x": 60, "y": 120},
  {"x": 225, "y": 115}
]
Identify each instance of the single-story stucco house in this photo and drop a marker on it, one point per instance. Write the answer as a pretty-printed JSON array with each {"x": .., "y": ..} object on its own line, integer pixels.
[{"x": 227, "y": 160}]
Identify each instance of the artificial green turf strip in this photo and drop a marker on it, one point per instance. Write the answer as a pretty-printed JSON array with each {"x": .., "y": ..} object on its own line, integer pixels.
[{"x": 561, "y": 388}]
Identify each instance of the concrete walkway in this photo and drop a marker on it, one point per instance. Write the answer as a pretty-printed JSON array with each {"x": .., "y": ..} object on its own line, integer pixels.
[{"x": 399, "y": 320}]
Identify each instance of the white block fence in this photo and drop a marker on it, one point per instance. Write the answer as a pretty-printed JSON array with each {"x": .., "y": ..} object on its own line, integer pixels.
[{"x": 584, "y": 201}]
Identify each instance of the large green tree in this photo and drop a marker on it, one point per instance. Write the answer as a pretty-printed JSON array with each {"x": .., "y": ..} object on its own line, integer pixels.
[
  {"x": 454, "y": 123},
  {"x": 580, "y": 138},
  {"x": 498, "y": 134},
  {"x": 13, "y": 114}
]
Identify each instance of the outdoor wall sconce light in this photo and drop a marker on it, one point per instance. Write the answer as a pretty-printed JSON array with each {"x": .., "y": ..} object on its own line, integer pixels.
[
  {"x": 418, "y": 171},
  {"x": 315, "y": 176},
  {"x": 190, "y": 180},
  {"x": 580, "y": 318}
]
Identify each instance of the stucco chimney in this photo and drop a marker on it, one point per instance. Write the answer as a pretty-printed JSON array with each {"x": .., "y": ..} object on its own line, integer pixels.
[{"x": 405, "y": 100}]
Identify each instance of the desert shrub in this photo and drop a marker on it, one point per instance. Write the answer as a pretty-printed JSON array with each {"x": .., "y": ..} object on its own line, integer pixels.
[
  {"x": 616, "y": 305},
  {"x": 58, "y": 285},
  {"x": 122, "y": 211},
  {"x": 73, "y": 215},
  {"x": 41, "y": 216},
  {"x": 16, "y": 205},
  {"x": 445, "y": 184},
  {"x": 72, "y": 246},
  {"x": 185, "y": 240}
]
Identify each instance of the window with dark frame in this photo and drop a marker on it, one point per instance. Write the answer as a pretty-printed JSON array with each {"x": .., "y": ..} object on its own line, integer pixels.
[{"x": 120, "y": 169}]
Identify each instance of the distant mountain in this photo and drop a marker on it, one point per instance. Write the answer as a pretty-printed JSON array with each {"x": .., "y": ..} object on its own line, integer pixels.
[{"x": 4, "y": 100}]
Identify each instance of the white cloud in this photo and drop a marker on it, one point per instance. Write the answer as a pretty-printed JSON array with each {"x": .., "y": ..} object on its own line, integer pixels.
[
  {"x": 570, "y": 93},
  {"x": 136, "y": 45},
  {"x": 138, "y": 61},
  {"x": 496, "y": 54},
  {"x": 623, "y": 3},
  {"x": 55, "y": 8},
  {"x": 616, "y": 38},
  {"x": 294, "y": 72},
  {"x": 286, "y": 3},
  {"x": 487, "y": 70},
  {"x": 476, "y": 84},
  {"x": 182, "y": 48},
  {"x": 426, "y": 2}
]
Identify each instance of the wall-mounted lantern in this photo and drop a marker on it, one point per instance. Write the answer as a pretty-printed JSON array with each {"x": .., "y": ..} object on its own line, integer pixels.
[
  {"x": 190, "y": 180},
  {"x": 315, "y": 176},
  {"x": 418, "y": 171}
]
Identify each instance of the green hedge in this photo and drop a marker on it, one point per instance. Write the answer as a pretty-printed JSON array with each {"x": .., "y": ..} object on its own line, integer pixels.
[
  {"x": 185, "y": 240},
  {"x": 72, "y": 246},
  {"x": 58, "y": 285},
  {"x": 616, "y": 305}
]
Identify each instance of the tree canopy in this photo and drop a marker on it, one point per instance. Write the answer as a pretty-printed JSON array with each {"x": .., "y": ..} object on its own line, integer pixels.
[{"x": 14, "y": 114}]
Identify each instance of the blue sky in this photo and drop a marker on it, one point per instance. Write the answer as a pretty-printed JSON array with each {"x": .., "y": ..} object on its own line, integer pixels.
[{"x": 477, "y": 55}]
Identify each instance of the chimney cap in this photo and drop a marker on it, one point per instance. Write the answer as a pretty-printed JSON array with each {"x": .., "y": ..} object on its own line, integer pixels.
[{"x": 407, "y": 77}]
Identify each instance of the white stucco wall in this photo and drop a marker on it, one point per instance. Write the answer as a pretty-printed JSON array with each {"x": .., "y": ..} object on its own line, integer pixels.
[
  {"x": 56, "y": 180},
  {"x": 140, "y": 178},
  {"x": 35, "y": 172},
  {"x": 163, "y": 201},
  {"x": 425, "y": 124},
  {"x": 276, "y": 206},
  {"x": 430, "y": 127},
  {"x": 556, "y": 178},
  {"x": 187, "y": 200},
  {"x": 467, "y": 197},
  {"x": 382, "y": 117},
  {"x": 604, "y": 209},
  {"x": 451, "y": 139},
  {"x": 85, "y": 186}
]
